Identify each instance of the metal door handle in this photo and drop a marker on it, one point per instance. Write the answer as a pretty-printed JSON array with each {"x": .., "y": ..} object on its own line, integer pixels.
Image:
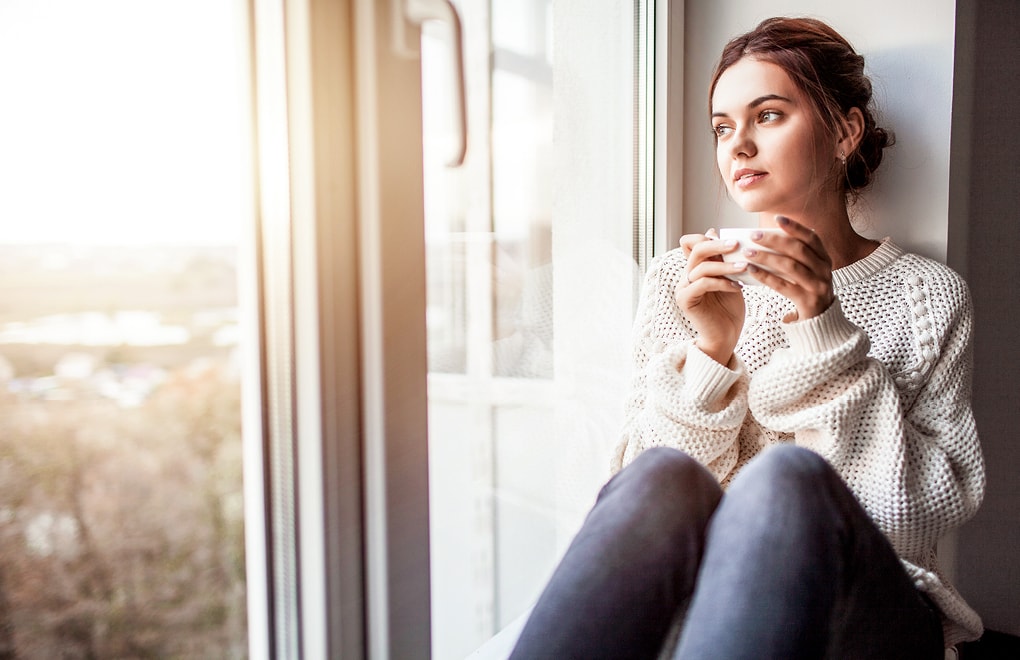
[{"x": 417, "y": 12}]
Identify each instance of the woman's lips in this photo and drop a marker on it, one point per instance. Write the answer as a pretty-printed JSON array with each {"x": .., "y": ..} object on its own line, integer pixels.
[{"x": 745, "y": 178}]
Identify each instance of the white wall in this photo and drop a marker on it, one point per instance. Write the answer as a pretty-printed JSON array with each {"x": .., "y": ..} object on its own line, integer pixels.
[{"x": 909, "y": 55}]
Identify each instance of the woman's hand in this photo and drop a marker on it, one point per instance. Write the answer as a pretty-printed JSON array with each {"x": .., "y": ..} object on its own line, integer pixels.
[
  {"x": 801, "y": 269},
  {"x": 712, "y": 304}
]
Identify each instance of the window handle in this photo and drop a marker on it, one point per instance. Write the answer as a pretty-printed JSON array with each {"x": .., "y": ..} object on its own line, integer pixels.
[{"x": 417, "y": 12}]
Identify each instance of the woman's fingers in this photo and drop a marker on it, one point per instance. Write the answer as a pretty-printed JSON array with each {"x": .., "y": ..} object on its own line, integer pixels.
[
  {"x": 806, "y": 236},
  {"x": 715, "y": 270},
  {"x": 798, "y": 287},
  {"x": 708, "y": 247},
  {"x": 688, "y": 241},
  {"x": 799, "y": 266},
  {"x": 697, "y": 286},
  {"x": 800, "y": 243},
  {"x": 705, "y": 264},
  {"x": 795, "y": 265},
  {"x": 712, "y": 304}
]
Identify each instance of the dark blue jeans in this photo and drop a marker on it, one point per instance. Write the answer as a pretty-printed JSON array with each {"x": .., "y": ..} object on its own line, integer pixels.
[{"x": 786, "y": 565}]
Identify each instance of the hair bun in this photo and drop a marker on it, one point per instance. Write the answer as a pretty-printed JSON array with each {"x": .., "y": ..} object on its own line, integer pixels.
[{"x": 862, "y": 163}]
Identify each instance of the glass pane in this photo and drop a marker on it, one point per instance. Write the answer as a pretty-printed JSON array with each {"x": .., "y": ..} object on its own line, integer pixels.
[
  {"x": 448, "y": 207},
  {"x": 123, "y": 178},
  {"x": 531, "y": 248},
  {"x": 522, "y": 175},
  {"x": 525, "y": 520}
]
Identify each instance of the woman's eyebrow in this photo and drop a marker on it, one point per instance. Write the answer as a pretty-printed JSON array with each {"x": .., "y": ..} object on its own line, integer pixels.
[{"x": 758, "y": 101}]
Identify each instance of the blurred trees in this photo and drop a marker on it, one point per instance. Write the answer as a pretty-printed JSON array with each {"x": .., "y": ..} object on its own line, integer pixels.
[{"x": 121, "y": 529}]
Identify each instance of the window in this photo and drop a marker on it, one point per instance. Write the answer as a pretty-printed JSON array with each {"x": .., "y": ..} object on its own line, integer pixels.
[
  {"x": 532, "y": 252},
  {"x": 189, "y": 323},
  {"x": 124, "y": 178}
]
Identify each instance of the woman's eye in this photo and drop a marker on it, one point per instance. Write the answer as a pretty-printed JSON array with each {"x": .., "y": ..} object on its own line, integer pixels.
[
  {"x": 721, "y": 130},
  {"x": 769, "y": 115}
]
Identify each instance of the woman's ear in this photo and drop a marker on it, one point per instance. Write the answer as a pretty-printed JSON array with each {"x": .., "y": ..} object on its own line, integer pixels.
[{"x": 851, "y": 132}]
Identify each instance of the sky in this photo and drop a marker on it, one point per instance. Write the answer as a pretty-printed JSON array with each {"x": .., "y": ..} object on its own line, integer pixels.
[{"x": 123, "y": 122}]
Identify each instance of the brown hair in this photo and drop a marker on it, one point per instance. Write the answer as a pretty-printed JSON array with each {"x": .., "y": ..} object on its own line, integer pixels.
[{"x": 829, "y": 71}]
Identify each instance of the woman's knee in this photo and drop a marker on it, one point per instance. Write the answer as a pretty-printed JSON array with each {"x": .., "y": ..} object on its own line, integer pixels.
[
  {"x": 787, "y": 502},
  {"x": 669, "y": 470},
  {"x": 790, "y": 478},
  {"x": 790, "y": 465},
  {"x": 666, "y": 477}
]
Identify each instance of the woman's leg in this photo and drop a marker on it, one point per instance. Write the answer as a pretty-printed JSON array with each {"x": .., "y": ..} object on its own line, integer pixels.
[
  {"x": 631, "y": 566},
  {"x": 794, "y": 568}
]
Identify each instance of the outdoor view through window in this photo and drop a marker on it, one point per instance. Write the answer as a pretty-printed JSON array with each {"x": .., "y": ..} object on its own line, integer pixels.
[{"x": 123, "y": 179}]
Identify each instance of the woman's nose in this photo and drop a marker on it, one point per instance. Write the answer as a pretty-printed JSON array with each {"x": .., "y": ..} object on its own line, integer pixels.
[{"x": 742, "y": 143}]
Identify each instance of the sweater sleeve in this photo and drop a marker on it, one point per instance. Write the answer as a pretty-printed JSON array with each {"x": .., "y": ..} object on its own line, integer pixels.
[
  {"x": 906, "y": 445},
  {"x": 680, "y": 397}
]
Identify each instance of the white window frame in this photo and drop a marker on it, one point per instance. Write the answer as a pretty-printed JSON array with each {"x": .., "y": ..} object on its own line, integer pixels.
[
  {"x": 336, "y": 465},
  {"x": 336, "y": 434},
  {"x": 669, "y": 124}
]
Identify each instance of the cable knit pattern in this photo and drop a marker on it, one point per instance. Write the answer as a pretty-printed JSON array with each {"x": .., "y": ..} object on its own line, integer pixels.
[{"x": 879, "y": 384}]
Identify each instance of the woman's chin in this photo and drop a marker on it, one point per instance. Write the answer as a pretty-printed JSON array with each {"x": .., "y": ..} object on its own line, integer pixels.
[
  {"x": 748, "y": 201},
  {"x": 751, "y": 205},
  {"x": 758, "y": 205}
]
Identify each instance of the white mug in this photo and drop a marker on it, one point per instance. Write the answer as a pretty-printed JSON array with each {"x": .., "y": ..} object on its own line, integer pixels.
[{"x": 742, "y": 235}]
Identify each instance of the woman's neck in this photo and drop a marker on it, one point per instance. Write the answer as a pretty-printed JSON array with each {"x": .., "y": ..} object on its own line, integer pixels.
[{"x": 844, "y": 245}]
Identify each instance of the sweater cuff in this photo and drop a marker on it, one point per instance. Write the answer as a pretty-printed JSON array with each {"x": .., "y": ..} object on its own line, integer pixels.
[
  {"x": 705, "y": 379},
  {"x": 822, "y": 333}
]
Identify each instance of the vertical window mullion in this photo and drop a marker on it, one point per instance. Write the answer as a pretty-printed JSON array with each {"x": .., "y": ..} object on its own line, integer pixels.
[
  {"x": 644, "y": 127},
  {"x": 667, "y": 119},
  {"x": 311, "y": 319},
  {"x": 277, "y": 344},
  {"x": 393, "y": 347}
]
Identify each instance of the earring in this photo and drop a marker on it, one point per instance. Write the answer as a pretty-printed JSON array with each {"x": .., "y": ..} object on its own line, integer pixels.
[{"x": 842, "y": 157}]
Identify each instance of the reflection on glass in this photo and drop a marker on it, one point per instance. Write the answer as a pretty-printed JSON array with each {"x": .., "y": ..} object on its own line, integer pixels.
[
  {"x": 531, "y": 287},
  {"x": 446, "y": 309},
  {"x": 121, "y": 526},
  {"x": 490, "y": 323},
  {"x": 448, "y": 228},
  {"x": 522, "y": 122}
]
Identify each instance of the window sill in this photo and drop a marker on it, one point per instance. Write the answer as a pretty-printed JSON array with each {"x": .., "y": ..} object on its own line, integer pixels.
[{"x": 502, "y": 643}]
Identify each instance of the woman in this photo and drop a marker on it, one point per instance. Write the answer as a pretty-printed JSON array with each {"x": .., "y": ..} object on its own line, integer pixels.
[{"x": 831, "y": 404}]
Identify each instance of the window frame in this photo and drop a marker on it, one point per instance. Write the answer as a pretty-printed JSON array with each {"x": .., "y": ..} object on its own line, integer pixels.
[
  {"x": 336, "y": 464},
  {"x": 336, "y": 438}
]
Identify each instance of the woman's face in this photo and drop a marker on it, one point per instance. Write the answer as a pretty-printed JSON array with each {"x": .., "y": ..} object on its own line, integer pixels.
[{"x": 771, "y": 149}]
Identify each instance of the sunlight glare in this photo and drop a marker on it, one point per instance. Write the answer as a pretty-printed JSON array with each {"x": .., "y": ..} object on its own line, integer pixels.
[{"x": 122, "y": 122}]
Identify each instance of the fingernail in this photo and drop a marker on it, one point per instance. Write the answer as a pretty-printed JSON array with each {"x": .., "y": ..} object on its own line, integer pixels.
[
  {"x": 756, "y": 235},
  {"x": 782, "y": 220},
  {"x": 749, "y": 252},
  {"x": 730, "y": 242},
  {"x": 739, "y": 265}
]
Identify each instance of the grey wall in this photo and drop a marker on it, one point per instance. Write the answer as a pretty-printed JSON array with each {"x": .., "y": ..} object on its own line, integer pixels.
[{"x": 984, "y": 230}]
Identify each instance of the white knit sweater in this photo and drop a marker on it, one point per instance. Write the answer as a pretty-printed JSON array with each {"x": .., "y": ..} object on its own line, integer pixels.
[{"x": 879, "y": 384}]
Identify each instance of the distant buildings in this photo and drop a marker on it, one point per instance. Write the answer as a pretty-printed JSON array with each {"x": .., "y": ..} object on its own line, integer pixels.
[{"x": 81, "y": 374}]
